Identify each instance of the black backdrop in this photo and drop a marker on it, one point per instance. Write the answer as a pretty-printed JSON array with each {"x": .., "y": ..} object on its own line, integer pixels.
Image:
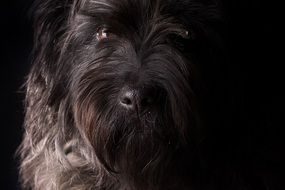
[
  {"x": 16, "y": 42},
  {"x": 254, "y": 49}
]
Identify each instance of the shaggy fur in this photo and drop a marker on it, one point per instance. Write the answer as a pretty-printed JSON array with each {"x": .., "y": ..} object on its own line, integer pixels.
[{"x": 88, "y": 54}]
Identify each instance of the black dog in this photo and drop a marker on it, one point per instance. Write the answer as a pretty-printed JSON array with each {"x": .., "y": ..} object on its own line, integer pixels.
[{"x": 125, "y": 94}]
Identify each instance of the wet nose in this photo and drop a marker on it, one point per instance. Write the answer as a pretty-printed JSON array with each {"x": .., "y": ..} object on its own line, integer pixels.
[{"x": 139, "y": 99}]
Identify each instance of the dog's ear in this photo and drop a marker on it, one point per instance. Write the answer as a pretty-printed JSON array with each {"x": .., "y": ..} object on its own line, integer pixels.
[
  {"x": 44, "y": 91},
  {"x": 50, "y": 18}
]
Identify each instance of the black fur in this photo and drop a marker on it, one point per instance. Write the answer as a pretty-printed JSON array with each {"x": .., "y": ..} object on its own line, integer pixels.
[{"x": 78, "y": 134}]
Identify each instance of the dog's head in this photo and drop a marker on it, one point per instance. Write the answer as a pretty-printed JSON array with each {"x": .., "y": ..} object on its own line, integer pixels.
[{"x": 125, "y": 74}]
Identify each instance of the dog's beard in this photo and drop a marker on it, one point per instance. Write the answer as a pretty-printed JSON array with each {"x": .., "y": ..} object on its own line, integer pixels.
[{"x": 137, "y": 146}]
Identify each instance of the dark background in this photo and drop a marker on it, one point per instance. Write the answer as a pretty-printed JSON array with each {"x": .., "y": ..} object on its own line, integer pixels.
[
  {"x": 16, "y": 42},
  {"x": 253, "y": 42}
]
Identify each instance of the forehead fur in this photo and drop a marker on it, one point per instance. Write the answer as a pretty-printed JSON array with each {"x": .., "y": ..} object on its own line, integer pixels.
[
  {"x": 143, "y": 17},
  {"x": 128, "y": 12},
  {"x": 138, "y": 11}
]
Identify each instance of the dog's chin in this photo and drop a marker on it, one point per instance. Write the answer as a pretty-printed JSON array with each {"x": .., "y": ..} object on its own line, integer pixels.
[
  {"x": 135, "y": 144},
  {"x": 135, "y": 148},
  {"x": 138, "y": 155}
]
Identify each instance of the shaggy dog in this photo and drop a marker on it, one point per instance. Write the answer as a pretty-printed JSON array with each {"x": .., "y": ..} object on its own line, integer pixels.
[{"x": 127, "y": 95}]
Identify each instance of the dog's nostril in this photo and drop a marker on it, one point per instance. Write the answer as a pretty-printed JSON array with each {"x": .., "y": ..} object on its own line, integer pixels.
[
  {"x": 146, "y": 101},
  {"x": 141, "y": 99},
  {"x": 127, "y": 99}
]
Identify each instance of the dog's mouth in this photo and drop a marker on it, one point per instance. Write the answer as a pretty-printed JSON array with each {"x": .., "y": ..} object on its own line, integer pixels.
[
  {"x": 131, "y": 138},
  {"x": 132, "y": 128},
  {"x": 144, "y": 114},
  {"x": 136, "y": 149}
]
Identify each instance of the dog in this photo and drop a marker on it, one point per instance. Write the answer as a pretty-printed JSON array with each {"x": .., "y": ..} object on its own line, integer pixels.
[{"x": 127, "y": 95}]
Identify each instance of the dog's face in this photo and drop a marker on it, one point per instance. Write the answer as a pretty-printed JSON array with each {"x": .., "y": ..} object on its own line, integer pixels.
[
  {"x": 131, "y": 72},
  {"x": 131, "y": 78}
]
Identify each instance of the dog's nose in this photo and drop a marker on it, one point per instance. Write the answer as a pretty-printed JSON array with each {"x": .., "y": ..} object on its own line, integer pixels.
[
  {"x": 137, "y": 99},
  {"x": 127, "y": 99}
]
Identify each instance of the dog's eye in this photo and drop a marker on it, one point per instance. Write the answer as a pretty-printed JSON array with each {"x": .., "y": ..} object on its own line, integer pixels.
[
  {"x": 186, "y": 34},
  {"x": 103, "y": 33}
]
